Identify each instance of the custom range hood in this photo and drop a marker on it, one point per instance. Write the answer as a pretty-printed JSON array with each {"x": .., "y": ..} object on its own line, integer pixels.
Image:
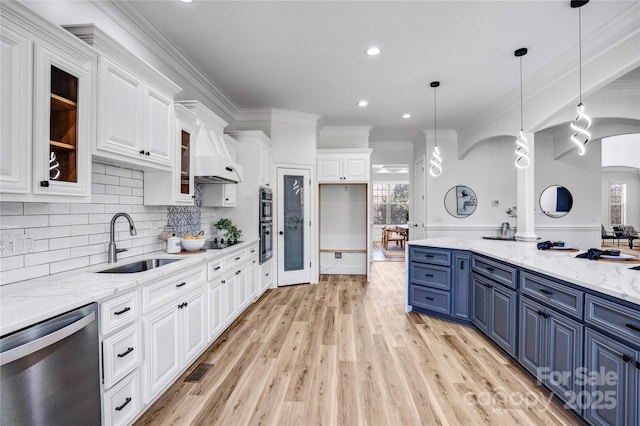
[{"x": 212, "y": 164}]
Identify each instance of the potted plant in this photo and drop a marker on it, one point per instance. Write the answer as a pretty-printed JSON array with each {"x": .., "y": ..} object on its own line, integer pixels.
[{"x": 229, "y": 232}]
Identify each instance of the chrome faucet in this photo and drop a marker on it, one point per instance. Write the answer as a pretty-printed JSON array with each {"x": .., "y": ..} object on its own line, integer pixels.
[{"x": 113, "y": 251}]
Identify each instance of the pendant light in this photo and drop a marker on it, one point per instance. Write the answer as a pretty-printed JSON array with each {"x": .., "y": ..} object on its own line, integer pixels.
[
  {"x": 522, "y": 150},
  {"x": 436, "y": 169},
  {"x": 581, "y": 124}
]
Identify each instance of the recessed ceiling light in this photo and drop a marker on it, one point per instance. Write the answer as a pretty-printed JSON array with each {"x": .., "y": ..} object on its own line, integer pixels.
[
  {"x": 373, "y": 51},
  {"x": 406, "y": 115},
  {"x": 186, "y": 1},
  {"x": 363, "y": 103}
]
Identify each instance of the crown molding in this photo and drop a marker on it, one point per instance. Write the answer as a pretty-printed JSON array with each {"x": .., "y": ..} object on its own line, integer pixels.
[
  {"x": 156, "y": 41},
  {"x": 619, "y": 29},
  {"x": 347, "y": 131},
  {"x": 253, "y": 114},
  {"x": 295, "y": 117}
]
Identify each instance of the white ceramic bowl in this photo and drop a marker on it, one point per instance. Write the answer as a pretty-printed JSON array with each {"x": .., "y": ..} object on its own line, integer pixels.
[{"x": 192, "y": 245}]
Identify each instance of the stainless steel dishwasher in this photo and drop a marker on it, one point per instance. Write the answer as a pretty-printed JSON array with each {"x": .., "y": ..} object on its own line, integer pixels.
[{"x": 50, "y": 372}]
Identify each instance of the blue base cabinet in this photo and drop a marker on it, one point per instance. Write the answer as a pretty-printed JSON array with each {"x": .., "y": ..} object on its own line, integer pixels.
[{"x": 461, "y": 287}]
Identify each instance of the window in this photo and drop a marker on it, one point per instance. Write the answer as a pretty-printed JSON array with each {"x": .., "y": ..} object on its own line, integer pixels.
[
  {"x": 390, "y": 203},
  {"x": 617, "y": 203}
]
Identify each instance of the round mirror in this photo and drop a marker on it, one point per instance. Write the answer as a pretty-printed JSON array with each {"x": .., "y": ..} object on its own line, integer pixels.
[
  {"x": 556, "y": 201},
  {"x": 460, "y": 201}
]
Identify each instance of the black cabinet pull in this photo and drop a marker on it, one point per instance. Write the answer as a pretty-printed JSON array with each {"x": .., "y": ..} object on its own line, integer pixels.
[
  {"x": 633, "y": 327},
  {"x": 142, "y": 151},
  {"x": 489, "y": 268},
  {"x": 238, "y": 272},
  {"x": 125, "y": 353},
  {"x": 126, "y": 401},
  {"x": 266, "y": 275},
  {"x": 428, "y": 298},
  {"x": 428, "y": 275},
  {"x": 186, "y": 304},
  {"x": 223, "y": 282},
  {"x": 428, "y": 255},
  {"x": 547, "y": 292},
  {"x": 253, "y": 251},
  {"x": 638, "y": 365},
  {"x": 462, "y": 264},
  {"x": 216, "y": 268},
  {"x": 44, "y": 183},
  {"x": 238, "y": 258},
  {"x": 181, "y": 284},
  {"x": 147, "y": 153},
  {"x": 543, "y": 314},
  {"x": 626, "y": 358},
  {"x": 126, "y": 309}
]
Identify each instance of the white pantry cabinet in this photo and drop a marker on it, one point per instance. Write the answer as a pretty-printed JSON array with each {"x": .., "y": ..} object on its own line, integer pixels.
[
  {"x": 343, "y": 165},
  {"x": 134, "y": 106},
  {"x": 181, "y": 178},
  {"x": 47, "y": 101}
]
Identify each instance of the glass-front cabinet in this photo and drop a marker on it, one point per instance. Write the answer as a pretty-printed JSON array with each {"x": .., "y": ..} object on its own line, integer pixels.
[{"x": 48, "y": 88}]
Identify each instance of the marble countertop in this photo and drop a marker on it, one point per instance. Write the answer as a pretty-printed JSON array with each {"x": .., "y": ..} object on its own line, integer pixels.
[
  {"x": 28, "y": 302},
  {"x": 611, "y": 278}
]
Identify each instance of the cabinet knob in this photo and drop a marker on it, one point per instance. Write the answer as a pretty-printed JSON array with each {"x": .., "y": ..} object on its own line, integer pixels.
[
  {"x": 281, "y": 233},
  {"x": 626, "y": 358},
  {"x": 193, "y": 196},
  {"x": 638, "y": 365},
  {"x": 147, "y": 153},
  {"x": 141, "y": 151},
  {"x": 44, "y": 183},
  {"x": 223, "y": 281}
]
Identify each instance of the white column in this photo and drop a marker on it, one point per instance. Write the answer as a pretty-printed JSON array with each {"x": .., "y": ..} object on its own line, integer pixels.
[{"x": 526, "y": 196}]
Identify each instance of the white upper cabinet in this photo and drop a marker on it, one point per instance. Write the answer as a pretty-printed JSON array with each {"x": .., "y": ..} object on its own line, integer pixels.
[
  {"x": 135, "y": 106},
  {"x": 181, "y": 177},
  {"x": 343, "y": 165},
  {"x": 47, "y": 100}
]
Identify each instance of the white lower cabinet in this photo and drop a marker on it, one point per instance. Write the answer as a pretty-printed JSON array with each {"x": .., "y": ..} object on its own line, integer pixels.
[
  {"x": 229, "y": 289},
  {"x": 266, "y": 276},
  {"x": 121, "y": 354},
  {"x": 121, "y": 404},
  {"x": 216, "y": 318},
  {"x": 174, "y": 336}
]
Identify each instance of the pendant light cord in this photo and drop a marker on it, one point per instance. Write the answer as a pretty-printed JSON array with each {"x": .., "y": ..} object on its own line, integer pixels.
[
  {"x": 435, "y": 111},
  {"x": 521, "y": 113},
  {"x": 580, "y": 49}
]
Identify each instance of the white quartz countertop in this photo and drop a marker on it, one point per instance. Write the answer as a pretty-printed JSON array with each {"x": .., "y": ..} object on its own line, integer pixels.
[
  {"x": 28, "y": 302},
  {"x": 611, "y": 278}
]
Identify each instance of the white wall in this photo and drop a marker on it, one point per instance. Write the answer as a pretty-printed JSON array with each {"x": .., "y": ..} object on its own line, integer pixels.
[
  {"x": 343, "y": 227},
  {"x": 632, "y": 180},
  {"x": 623, "y": 150},
  {"x": 581, "y": 176},
  {"x": 489, "y": 171},
  {"x": 336, "y": 137}
]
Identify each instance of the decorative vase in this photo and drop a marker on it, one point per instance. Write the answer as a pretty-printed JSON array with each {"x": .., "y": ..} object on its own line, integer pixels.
[{"x": 505, "y": 230}]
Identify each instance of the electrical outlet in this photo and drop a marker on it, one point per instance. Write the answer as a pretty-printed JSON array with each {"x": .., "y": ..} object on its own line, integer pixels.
[
  {"x": 4, "y": 245},
  {"x": 338, "y": 255},
  {"x": 495, "y": 203}
]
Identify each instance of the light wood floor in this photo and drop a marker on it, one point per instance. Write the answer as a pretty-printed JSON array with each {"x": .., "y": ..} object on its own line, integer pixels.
[{"x": 345, "y": 353}]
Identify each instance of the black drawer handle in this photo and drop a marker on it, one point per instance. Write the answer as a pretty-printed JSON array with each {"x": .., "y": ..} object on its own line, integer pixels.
[
  {"x": 428, "y": 275},
  {"x": 626, "y": 358},
  {"x": 489, "y": 268},
  {"x": 543, "y": 315},
  {"x": 638, "y": 365},
  {"x": 266, "y": 275},
  {"x": 547, "y": 292},
  {"x": 238, "y": 272},
  {"x": 487, "y": 285},
  {"x": 181, "y": 284},
  {"x": 125, "y": 353},
  {"x": 127, "y": 309},
  {"x": 223, "y": 282},
  {"x": 126, "y": 401},
  {"x": 216, "y": 268},
  {"x": 429, "y": 298},
  {"x": 462, "y": 264},
  {"x": 253, "y": 251},
  {"x": 633, "y": 327},
  {"x": 428, "y": 255},
  {"x": 238, "y": 258}
]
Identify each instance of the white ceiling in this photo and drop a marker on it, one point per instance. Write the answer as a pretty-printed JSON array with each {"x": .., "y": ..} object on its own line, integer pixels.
[{"x": 309, "y": 55}]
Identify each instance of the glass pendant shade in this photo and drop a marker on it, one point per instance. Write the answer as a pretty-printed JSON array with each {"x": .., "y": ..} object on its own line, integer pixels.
[
  {"x": 436, "y": 168},
  {"x": 522, "y": 152}
]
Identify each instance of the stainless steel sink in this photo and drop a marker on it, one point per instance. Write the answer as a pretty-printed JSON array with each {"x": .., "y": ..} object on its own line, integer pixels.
[{"x": 139, "y": 266}]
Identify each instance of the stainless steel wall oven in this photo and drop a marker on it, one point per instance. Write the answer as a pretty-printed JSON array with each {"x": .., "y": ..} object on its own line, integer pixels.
[{"x": 265, "y": 224}]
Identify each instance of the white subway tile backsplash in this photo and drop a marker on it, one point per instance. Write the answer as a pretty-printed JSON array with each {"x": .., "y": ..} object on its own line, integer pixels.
[
  {"x": 8, "y": 209},
  {"x": 47, "y": 257},
  {"x": 68, "y": 219},
  {"x": 118, "y": 190},
  {"x": 16, "y": 222},
  {"x": 118, "y": 171},
  {"x": 58, "y": 243},
  {"x": 50, "y": 232},
  {"x": 24, "y": 274},
  {"x": 67, "y": 265},
  {"x": 46, "y": 208},
  {"x": 13, "y": 262},
  {"x": 105, "y": 179},
  {"x": 70, "y": 236}
]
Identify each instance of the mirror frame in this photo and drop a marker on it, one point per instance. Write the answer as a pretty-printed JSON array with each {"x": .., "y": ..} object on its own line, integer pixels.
[
  {"x": 570, "y": 201},
  {"x": 473, "y": 198}
]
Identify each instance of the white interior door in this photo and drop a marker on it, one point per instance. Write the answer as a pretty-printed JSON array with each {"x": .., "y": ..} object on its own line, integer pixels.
[
  {"x": 416, "y": 225},
  {"x": 294, "y": 226}
]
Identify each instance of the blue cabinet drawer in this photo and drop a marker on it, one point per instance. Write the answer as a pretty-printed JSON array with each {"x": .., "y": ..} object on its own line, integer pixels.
[
  {"x": 428, "y": 275},
  {"x": 429, "y": 255},
  {"x": 503, "y": 274},
  {"x": 569, "y": 301},
  {"x": 432, "y": 299},
  {"x": 620, "y": 321}
]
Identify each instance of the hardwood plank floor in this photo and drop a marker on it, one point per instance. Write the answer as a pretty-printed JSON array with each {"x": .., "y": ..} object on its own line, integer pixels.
[{"x": 344, "y": 352}]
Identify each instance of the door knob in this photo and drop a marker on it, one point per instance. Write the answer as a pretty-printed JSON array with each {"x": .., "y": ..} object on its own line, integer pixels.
[{"x": 281, "y": 233}]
